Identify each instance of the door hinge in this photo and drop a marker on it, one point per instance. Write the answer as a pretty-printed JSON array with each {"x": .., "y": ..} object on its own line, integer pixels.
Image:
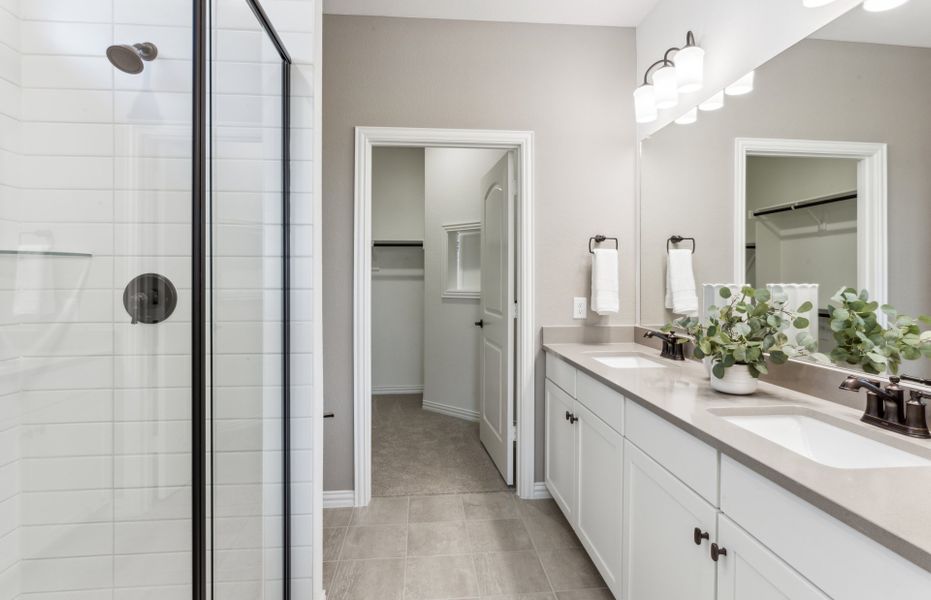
[
  {"x": 514, "y": 310},
  {"x": 514, "y": 433}
]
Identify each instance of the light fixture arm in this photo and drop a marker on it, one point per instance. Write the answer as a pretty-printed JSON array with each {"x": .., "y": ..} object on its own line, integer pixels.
[
  {"x": 663, "y": 61},
  {"x": 666, "y": 61}
]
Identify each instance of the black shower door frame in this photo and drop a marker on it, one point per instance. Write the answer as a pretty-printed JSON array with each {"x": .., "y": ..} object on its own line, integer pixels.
[{"x": 200, "y": 281}]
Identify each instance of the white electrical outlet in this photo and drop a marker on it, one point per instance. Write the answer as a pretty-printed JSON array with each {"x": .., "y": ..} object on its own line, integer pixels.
[{"x": 580, "y": 308}]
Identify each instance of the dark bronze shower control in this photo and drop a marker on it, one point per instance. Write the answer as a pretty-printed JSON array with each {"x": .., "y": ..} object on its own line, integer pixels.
[{"x": 150, "y": 298}]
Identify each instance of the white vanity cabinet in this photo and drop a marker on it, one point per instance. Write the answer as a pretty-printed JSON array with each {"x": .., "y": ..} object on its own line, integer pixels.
[
  {"x": 749, "y": 571},
  {"x": 559, "y": 456},
  {"x": 635, "y": 487},
  {"x": 660, "y": 517},
  {"x": 599, "y": 464},
  {"x": 584, "y": 467}
]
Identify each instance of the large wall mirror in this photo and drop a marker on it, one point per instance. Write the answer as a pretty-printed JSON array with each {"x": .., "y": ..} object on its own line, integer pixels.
[{"x": 821, "y": 176}]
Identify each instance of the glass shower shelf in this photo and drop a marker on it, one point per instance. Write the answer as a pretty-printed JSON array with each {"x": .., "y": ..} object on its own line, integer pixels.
[{"x": 46, "y": 253}]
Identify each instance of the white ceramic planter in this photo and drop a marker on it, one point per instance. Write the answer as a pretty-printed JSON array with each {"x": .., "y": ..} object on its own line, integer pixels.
[{"x": 737, "y": 380}]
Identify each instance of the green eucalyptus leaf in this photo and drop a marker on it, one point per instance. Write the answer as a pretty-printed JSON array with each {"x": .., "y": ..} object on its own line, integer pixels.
[
  {"x": 725, "y": 292},
  {"x": 718, "y": 370},
  {"x": 805, "y": 307},
  {"x": 801, "y": 323},
  {"x": 778, "y": 357}
]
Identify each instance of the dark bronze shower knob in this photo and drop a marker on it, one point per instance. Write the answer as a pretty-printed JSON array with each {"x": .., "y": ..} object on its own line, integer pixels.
[{"x": 150, "y": 298}]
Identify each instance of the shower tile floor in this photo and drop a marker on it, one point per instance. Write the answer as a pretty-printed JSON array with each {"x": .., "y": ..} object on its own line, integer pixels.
[{"x": 438, "y": 534}]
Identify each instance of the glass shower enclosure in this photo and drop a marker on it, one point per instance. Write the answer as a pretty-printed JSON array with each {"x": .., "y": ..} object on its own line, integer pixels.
[{"x": 144, "y": 407}]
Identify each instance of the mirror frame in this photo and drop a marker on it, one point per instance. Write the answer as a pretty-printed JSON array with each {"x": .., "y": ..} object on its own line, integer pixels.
[{"x": 872, "y": 194}]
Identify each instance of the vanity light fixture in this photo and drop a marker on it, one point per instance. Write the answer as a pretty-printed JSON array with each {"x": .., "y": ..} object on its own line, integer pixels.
[
  {"x": 667, "y": 89},
  {"x": 713, "y": 103},
  {"x": 645, "y": 103},
  {"x": 742, "y": 86},
  {"x": 688, "y": 118},
  {"x": 881, "y": 5},
  {"x": 665, "y": 79}
]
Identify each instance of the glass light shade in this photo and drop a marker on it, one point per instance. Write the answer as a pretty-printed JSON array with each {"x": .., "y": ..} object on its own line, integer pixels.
[
  {"x": 815, "y": 3},
  {"x": 666, "y": 87},
  {"x": 881, "y": 5},
  {"x": 690, "y": 69},
  {"x": 742, "y": 86},
  {"x": 713, "y": 103},
  {"x": 645, "y": 104},
  {"x": 689, "y": 117}
]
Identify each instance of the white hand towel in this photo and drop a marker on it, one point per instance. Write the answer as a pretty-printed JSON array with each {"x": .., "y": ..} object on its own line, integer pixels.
[
  {"x": 680, "y": 282},
  {"x": 605, "y": 298}
]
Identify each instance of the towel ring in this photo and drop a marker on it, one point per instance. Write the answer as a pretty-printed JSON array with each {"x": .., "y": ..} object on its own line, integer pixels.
[
  {"x": 678, "y": 239},
  {"x": 598, "y": 239}
]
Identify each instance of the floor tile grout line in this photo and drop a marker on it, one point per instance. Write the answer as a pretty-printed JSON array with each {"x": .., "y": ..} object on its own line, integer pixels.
[{"x": 536, "y": 552}]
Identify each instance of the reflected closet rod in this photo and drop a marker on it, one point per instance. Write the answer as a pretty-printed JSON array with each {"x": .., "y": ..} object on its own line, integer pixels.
[{"x": 806, "y": 204}]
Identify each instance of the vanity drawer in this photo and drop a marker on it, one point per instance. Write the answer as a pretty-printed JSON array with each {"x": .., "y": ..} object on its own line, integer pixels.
[
  {"x": 605, "y": 403},
  {"x": 841, "y": 561},
  {"x": 694, "y": 462},
  {"x": 561, "y": 373}
]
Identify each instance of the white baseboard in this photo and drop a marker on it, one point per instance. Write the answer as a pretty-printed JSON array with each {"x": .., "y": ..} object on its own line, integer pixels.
[
  {"x": 452, "y": 411},
  {"x": 540, "y": 492},
  {"x": 339, "y": 499},
  {"x": 396, "y": 390}
]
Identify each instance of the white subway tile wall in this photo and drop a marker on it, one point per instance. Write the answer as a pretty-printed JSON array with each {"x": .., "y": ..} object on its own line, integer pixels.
[{"x": 95, "y": 413}]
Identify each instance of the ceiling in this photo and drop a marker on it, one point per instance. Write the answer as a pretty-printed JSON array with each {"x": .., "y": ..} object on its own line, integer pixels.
[
  {"x": 908, "y": 25},
  {"x": 618, "y": 13}
]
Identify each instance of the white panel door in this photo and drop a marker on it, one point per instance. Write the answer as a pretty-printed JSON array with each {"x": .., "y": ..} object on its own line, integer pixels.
[
  {"x": 496, "y": 387},
  {"x": 559, "y": 449},
  {"x": 751, "y": 572},
  {"x": 661, "y": 558},
  {"x": 599, "y": 501}
]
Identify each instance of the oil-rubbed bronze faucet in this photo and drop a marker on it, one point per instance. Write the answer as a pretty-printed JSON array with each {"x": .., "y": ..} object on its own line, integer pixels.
[
  {"x": 673, "y": 345},
  {"x": 887, "y": 407}
]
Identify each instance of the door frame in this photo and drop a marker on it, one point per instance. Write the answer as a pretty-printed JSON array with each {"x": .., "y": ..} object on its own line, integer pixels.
[
  {"x": 521, "y": 142},
  {"x": 872, "y": 192}
]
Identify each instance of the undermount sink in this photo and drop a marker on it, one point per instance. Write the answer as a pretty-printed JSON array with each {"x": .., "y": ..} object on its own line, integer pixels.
[
  {"x": 627, "y": 360},
  {"x": 825, "y": 443}
]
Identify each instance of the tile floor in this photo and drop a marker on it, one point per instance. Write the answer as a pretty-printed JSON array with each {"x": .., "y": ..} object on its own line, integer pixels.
[
  {"x": 417, "y": 452},
  {"x": 478, "y": 545}
]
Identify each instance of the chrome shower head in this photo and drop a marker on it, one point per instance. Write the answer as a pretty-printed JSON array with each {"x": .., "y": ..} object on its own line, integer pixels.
[{"x": 129, "y": 59}]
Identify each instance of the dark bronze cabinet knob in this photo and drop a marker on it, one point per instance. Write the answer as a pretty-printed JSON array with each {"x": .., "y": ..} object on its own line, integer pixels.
[
  {"x": 698, "y": 535},
  {"x": 717, "y": 552},
  {"x": 571, "y": 417},
  {"x": 480, "y": 323}
]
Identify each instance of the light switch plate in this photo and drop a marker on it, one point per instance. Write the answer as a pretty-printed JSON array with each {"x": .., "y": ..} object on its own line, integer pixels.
[{"x": 580, "y": 308}]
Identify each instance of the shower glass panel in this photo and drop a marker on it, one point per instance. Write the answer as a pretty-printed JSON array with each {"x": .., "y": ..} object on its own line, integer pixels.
[
  {"x": 96, "y": 379},
  {"x": 247, "y": 265}
]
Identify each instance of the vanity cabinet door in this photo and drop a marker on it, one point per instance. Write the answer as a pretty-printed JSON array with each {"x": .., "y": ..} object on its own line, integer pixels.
[
  {"x": 560, "y": 445},
  {"x": 599, "y": 507},
  {"x": 751, "y": 572},
  {"x": 660, "y": 556}
]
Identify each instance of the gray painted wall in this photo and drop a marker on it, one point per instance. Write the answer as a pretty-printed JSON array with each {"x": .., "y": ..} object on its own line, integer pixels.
[
  {"x": 571, "y": 85},
  {"x": 870, "y": 93}
]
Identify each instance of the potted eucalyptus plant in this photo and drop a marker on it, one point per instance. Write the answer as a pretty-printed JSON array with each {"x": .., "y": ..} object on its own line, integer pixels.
[
  {"x": 863, "y": 341},
  {"x": 744, "y": 334}
]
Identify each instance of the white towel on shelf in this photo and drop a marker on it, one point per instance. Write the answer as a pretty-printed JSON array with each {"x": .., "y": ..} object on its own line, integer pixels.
[
  {"x": 798, "y": 294},
  {"x": 681, "y": 297},
  {"x": 605, "y": 297}
]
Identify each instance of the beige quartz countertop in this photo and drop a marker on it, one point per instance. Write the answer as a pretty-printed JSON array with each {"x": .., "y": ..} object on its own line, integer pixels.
[{"x": 890, "y": 505}]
